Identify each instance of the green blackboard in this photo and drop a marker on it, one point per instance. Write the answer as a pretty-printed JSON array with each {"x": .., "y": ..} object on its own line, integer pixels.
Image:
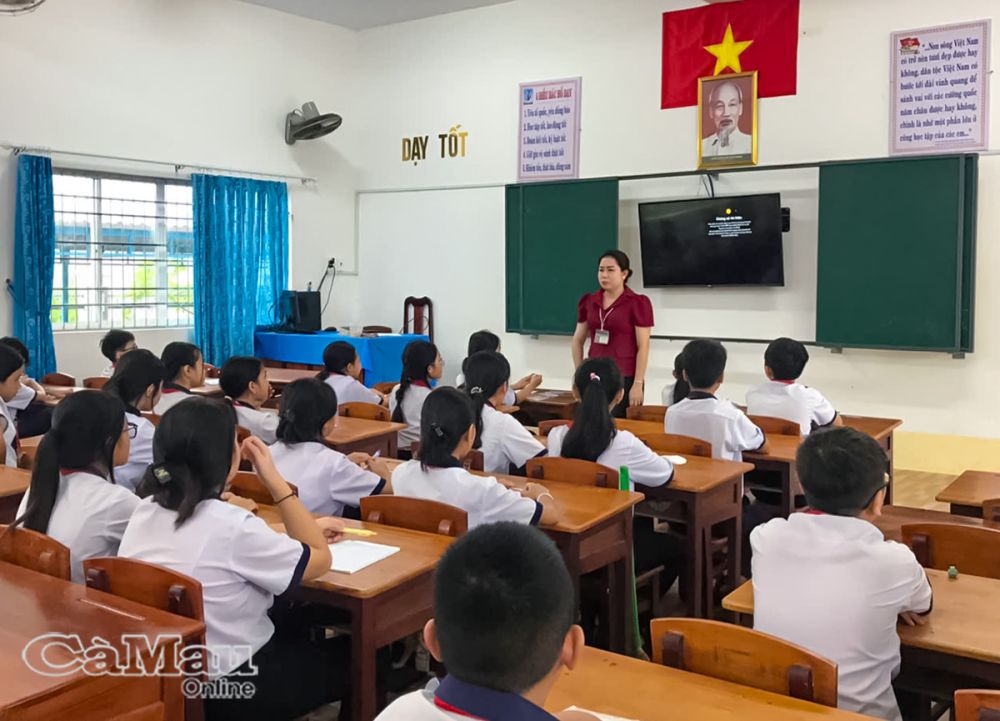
[
  {"x": 555, "y": 235},
  {"x": 896, "y": 261}
]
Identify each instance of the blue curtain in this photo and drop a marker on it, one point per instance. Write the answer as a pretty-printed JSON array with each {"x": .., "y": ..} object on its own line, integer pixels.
[
  {"x": 240, "y": 261},
  {"x": 34, "y": 261}
]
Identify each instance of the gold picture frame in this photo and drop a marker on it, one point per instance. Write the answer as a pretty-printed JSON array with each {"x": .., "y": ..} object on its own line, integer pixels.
[{"x": 712, "y": 128}]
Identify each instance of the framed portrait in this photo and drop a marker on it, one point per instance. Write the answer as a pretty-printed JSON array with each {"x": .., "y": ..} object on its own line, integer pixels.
[{"x": 727, "y": 120}]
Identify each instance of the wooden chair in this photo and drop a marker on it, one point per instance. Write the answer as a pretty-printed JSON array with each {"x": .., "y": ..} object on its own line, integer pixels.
[
  {"x": 249, "y": 485},
  {"x": 376, "y": 329},
  {"x": 473, "y": 461},
  {"x": 385, "y": 386},
  {"x": 369, "y": 411},
  {"x": 743, "y": 656},
  {"x": 976, "y": 705},
  {"x": 419, "y": 312},
  {"x": 545, "y": 427},
  {"x": 776, "y": 426},
  {"x": 211, "y": 371},
  {"x": 646, "y": 413},
  {"x": 58, "y": 379},
  {"x": 971, "y": 549},
  {"x": 572, "y": 470},
  {"x": 95, "y": 383},
  {"x": 416, "y": 514},
  {"x": 35, "y": 551},
  {"x": 991, "y": 510},
  {"x": 675, "y": 443}
]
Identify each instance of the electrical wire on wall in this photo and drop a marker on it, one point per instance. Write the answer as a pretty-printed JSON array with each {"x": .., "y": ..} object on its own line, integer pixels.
[{"x": 331, "y": 265}]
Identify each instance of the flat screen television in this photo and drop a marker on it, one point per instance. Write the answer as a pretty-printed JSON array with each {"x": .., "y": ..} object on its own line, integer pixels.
[{"x": 712, "y": 241}]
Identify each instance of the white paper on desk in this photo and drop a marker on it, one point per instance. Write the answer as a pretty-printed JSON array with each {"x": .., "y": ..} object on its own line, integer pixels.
[
  {"x": 543, "y": 395},
  {"x": 676, "y": 460},
  {"x": 211, "y": 381},
  {"x": 352, "y": 556},
  {"x": 601, "y": 716}
]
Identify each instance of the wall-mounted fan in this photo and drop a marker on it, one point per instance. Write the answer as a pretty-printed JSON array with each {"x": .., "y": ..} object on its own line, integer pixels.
[
  {"x": 17, "y": 7},
  {"x": 308, "y": 123}
]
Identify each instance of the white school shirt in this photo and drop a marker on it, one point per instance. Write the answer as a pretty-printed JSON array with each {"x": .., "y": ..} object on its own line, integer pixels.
[
  {"x": 9, "y": 434},
  {"x": 108, "y": 371},
  {"x": 509, "y": 398},
  {"x": 505, "y": 442},
  {"x": 667, "y": 394},
  {"x": 413, "y": 403},
  {"x": 791, "y": 402},
  {"x": 327, "y": 480},
  {"x": 241, "y": 563},
  {"x": 349, "y": 390},
  {"x": 835, "y": 586},
  {"x": 484, "y": 498},
  {"x": 22, "y": 399},
  {"x": 714, "y": 421},
  {"x": 259, "y": 422},
  {"x": 645, "y": 466},
  {"x": 140, "y": 453},
  {"x": 170, "y": 397},
  {"x": 89, "y": 517}
]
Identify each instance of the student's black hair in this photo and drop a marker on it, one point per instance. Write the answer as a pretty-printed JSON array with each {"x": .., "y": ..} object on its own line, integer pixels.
[
  {"x": 704, "y": 362},
  {"x": 416, "y": 358},
  {"x": 85, "y": 429},
  {"x": 485, "y": 373},
  {"x": 15, "y": 343},
  {"x": 336, "y": 357},
  {"x": 621, "y": 259},
  {"x": 483, "y": 340},
  {"x": 10, "y": 361},
  {"x": 503, "y": 604},
  {"x": 176, "y": 355},
  {"x": 444, "y": 421},
  {"x": 786, "y": 358},
  {"x": 134, "y": 373},
  {"x": 113, "y": 341},
  {"x": 306, "y": 405},
  {"x": 841, "y": 470},
  {"x": 237, "y": 374},
  {"x": 192, "y": 456},
  {"x": 598, "y": 382},
  {"x": 681, "y": 386}
]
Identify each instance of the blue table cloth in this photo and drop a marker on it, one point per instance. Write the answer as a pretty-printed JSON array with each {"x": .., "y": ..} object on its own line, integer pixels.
[{"x": 382, "y": 357}]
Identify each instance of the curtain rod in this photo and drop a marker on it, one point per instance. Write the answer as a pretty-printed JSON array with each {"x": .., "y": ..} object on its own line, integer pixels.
[{"x": 18, "y": 149}]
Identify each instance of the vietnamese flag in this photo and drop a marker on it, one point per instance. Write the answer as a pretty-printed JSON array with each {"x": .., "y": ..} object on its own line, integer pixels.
[{"x": 728, "y": 37}]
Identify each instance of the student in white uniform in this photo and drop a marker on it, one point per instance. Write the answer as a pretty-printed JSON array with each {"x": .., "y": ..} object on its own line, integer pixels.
[
  {"x": 31, "y": 418},
  {"x": 422, "y": 365},
  {"x": 11, "y": 372},
  {"x": 783, "y": 397},
  {"x": 242, "y": 563},
  {"x": 114, "y": 345},
  {"x": 184, "y": 369},
  {"x": 484, "y": 340},
  {"x": 827, "y": 580},
  {"x": 73, "y": 497},
  {"x": 505, "y": 443},
  {"x": 447, "y": 432},
  {"x": 503, "y": 625},
  {"x": 136, "y": 382},
  {"x": 244, "y": 381},
  {"x": 678, "y": 390},
  {"x": 341, "y": 371},
  {"x": 329, "y": 482}
]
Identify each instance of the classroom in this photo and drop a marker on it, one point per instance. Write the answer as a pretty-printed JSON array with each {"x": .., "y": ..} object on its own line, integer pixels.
[{"x": 499, "y": 359}]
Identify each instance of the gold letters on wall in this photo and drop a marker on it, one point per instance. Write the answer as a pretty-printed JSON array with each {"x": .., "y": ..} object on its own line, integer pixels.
[{"x": 452, "y": 145}]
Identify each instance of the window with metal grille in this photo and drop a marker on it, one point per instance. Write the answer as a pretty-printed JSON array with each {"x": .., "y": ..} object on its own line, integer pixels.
[{"x": 124, "y": 252}]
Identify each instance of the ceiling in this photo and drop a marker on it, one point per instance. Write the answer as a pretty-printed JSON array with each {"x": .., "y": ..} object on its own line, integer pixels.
[{"x": 362, "y": 14}]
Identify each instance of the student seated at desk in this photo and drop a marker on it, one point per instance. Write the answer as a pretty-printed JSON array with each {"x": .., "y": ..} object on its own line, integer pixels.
[
  {"x": 484, "y": 340},
  {"x": 447, "y": 432},
  {"x": 244, "y": 381},
  {"x": 73, "y": 497},
  {"x": 783, "y": 397},
  {"x": 242, "y": 564},
  {"x": 329, "y": 482},
  {"x": 11, "y": 371},
  {"x": 136, "y": 383},
  {"x": 31, "y": 418},
  {"x": 341, "y": 371},
  {"x": 704, "y": 416},
  {"x": 504, "y": 627},
  {"x": 422, "y": 364},
  {"x": 114, "y": 345},
  {"x": 678, "y": 390},
  {"x": 826, "y": 579},
  {"x": 505, "y": 443},
  {"x": 184, "y": 369}
]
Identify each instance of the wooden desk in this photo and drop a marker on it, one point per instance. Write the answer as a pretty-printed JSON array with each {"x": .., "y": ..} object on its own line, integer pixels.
[
  {"x": 281, "y": 377},
  {"x": 13, "y": 483},
  {"x": 387, "y": 601},
  {"x": 545, "y": 404},
  {"x": 967, "y": 492},
  {"x": 608, "y": 683},
  {"x": 893, "y": 519},
  {"x": 60, "y": 392},
  {"x": 359, "y": 434},
  {"x": 35, "y": 604}
]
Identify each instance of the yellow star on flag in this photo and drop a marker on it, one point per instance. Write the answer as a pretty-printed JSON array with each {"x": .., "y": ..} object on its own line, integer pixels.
[{"x": 727, "y": 53}]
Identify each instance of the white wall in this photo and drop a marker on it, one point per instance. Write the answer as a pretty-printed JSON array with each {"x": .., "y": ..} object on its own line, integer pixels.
[
  {"x": 195, "y": 81},
  {"x": 422, "y": 77}
]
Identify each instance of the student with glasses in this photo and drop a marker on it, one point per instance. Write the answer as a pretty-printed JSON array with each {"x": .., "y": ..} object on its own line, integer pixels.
[{"x": 136, "y": 382}]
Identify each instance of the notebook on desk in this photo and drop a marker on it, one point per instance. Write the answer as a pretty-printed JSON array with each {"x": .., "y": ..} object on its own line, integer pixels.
[{"x": 353, "y": 556}]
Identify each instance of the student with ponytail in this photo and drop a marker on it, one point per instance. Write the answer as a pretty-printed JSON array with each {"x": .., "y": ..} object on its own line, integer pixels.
[
  {"x": 505, "y": 443},
  {"x": 136, "y": 383},
  {"x": 73, "y": 497},
  {"x": 11, "y": 371},
  {"x": 341, "y": 371},
  {"x": 242, "y": 564},
  {"x": 184, "y": 369},
  {"x": 678, "y": 390},
  {"x": 447, "y": 432},
  {"x": 486, "y": 340},
  {"x": 244, "y": 381},
  {"x": 422, "y": 364}
]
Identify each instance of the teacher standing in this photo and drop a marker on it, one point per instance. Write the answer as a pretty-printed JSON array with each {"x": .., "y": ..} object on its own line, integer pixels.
[{"x": 618, "y": 322}]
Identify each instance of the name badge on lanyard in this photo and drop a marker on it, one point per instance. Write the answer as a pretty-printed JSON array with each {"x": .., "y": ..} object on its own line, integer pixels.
[{"x": 602, "y": 336}]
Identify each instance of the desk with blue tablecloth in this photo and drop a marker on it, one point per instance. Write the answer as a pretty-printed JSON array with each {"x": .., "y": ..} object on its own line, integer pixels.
[{"x": 381, "y": 357}]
